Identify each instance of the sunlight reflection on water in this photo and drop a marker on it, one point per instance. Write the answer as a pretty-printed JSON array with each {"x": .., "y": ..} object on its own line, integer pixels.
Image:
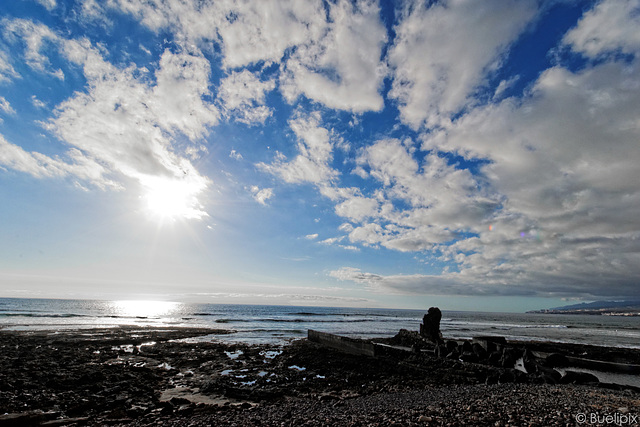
[{"x": 133, "y": 308}]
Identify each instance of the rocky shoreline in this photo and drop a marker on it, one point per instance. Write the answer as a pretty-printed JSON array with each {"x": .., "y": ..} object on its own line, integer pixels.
[{"x": 141, "y": 377}]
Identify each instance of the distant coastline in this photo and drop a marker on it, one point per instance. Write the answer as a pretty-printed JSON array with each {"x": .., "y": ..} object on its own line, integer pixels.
[{"x": 598, "y": 308}]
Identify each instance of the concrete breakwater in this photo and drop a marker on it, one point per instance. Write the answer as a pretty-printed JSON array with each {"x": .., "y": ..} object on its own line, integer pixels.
[{"x": 505, "y": 362}]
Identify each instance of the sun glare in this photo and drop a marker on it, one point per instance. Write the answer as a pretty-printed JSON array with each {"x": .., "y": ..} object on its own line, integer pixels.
[
  {"x": 144, "y": 308},
  {"x": 171, "y": 199}
]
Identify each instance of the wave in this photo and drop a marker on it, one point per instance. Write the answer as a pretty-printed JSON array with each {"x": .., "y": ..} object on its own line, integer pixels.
[
  {"x": 297, "y": 320},
  {"x": 232, "y": 320},
  {"x": 505, "y": 326},
  {"x": 64, "y": 315}
]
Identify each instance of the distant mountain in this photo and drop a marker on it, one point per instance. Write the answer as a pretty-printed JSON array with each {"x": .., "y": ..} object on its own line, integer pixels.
[{"x": 611, "y": 308}]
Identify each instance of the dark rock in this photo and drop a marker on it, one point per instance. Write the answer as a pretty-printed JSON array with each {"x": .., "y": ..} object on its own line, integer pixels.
[
  {"x": 469, "y": 357},
  {"x": 573, "y": 377},
  {"x": 491, "y": 343},
  {"x": 452, "y": 345},
  {"x": 509, "y": 358},
  {"x": 430, "y": 328},
  {"x": 177, "y": 401},
  {"x": 507, "y": 376},
  {"x": 454, "y": 355},
  {"x": 530, "y": 366},
  {"x": 494, "y": 358},
  {"x": 550, "y": 373},
  {"x": 556, "y": 360},
  {"x": 411, "y": 339},
  {"x": 492, "y": 378},
  {"x": 185, "y": 410},
  {"x": 22, "y": 418},
  {"x": 479, "y": 351}
]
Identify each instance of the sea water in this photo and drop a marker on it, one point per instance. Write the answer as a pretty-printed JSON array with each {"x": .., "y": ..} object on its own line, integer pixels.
[{"x": 277, "y": 324}]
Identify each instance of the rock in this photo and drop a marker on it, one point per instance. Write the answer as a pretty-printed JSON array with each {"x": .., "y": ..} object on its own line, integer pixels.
[
  {"x": 491, "y": 343},
  {"x": 454, "y": 355},
  {"x": 479, "y": 350},
  {"x": 494, "y": 358},
  {"x": 507, "y": 376},
  {"x": 469, "y": 357},
  {"x": 184, "y": 410},
  {"x": 430, "y": 328},
  {"x": 441, "y": 351},
  {"x": 556, "y": 360},
  {"x": 573, "y": 377},
  {"x": 22, "y": 418},
  {"x": 509, "y": 357},
  {"x": 492, "y": 378}
]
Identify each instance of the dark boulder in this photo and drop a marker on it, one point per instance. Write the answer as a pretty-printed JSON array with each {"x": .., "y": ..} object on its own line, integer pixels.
[
  {"x": 469, "y": 357},
  {"x": 491, "y": 343},
  {"x": 556, "y": 360},
  {"x": 509, "y": 358},
  {"x": 573, "y": 377},
  {"x": 479, "y": 350}
]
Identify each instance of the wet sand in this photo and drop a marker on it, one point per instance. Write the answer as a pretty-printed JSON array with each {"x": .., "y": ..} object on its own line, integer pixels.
[{"x": 140, "y": 377}]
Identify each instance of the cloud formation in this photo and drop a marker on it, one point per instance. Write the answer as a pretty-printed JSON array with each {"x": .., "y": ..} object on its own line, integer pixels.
[
  {"x": 121, "y": 125},
  {"x": 401, "y": 120},
  {"x": 559, "y": 177},
  {"x": 443, "y": 50}
]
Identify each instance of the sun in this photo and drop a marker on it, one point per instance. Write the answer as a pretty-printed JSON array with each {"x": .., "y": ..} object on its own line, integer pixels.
[{"x": 171, "y": 199}]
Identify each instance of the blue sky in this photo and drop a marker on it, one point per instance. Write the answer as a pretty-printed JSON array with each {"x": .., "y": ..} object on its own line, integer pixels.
[{"x": 470, "y": 155}]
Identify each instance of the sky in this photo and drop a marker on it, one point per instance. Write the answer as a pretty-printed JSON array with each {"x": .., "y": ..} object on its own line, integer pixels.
[{"x": 474, "y": 155}]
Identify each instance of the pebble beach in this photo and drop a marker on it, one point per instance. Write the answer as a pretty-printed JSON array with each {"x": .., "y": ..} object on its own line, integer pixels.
[{"x": 163, "y": 376}]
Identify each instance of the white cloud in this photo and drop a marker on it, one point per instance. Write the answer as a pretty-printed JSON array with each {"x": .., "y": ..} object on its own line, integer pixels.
[
  {"x": 611, "y": 26},
  {"x": 177, "y": 102},
  {"x": 417, "y": 206},
  {"x": 443, "y": 51},
  {"x": 261, "y": 195},
  {"x": 264, "y": 30},
  {"x": 334, "y": 59},
  {"x": 316, "y": 152},
  {"x": 7, "y": 72},
  {"x": 42, "y": 166},
  {"x": 35, "y": 38},
  {"x": 37, "y": 103},
  {"x": 243, "y": 95},
  {"x": 94, "y": 11},
  {"x": 563, "y": 160},
  {"x": 6, "y": 107},
  {"x": 311, "y": 236},
  {"x": 342, "y": 69},
  {"x": 125, "y": 122},
  {"x": 235, "y": 155},
  {"x": 48, "y": 4},
  {"x": 248, "y": 32}
]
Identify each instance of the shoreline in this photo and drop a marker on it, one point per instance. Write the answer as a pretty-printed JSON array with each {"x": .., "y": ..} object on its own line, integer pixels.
[{"x": 144, "y": 375}]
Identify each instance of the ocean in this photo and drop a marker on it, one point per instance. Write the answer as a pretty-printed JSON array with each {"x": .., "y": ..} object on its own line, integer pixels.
[{"x": 279, "y": 324}]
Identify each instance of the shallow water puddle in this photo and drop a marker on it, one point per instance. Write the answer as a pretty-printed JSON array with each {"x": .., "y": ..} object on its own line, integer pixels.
[
  {"x": 270, "y": 354},
  {"x": 297, "y": 368},
  {"x": 234, "y": 355}
]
